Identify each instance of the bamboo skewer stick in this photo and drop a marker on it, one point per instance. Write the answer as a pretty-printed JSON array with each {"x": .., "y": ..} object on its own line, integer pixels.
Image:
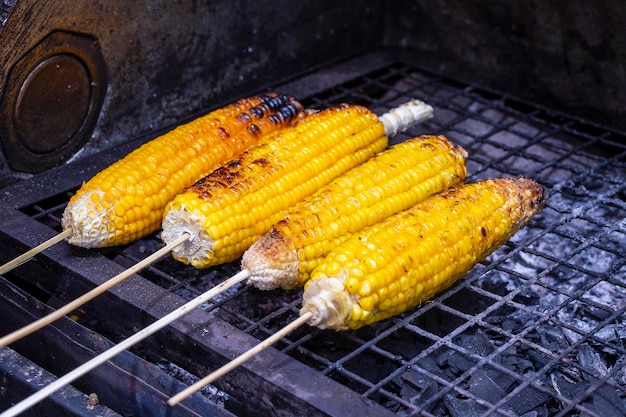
[
  {"x": 120, "y": 347},
  {"x": 239, "y": 360},
  {"x": 73, "y": 305},
  {"x": 14, "y": 263}
]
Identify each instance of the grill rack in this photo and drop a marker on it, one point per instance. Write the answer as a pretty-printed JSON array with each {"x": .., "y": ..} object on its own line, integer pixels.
[{"x": 545, "y": 313}]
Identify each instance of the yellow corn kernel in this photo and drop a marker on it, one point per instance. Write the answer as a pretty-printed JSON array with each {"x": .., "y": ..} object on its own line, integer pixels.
[
  {"x": 390, "y": 182},
  {"x": 237, "y": 203},
  {"x": 158, "y": 170},
  {"x": 473, "y": 220}
]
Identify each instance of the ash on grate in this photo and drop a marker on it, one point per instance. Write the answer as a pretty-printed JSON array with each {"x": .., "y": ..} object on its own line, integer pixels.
[
  {"x": 490, "y": 384},
  {"x": 568, "y": 350},
  {"x": 212, "y": 393}
]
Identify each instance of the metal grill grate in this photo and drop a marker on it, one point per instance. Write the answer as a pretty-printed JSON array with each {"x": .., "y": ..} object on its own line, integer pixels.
[{"x": 537, "y": 329}]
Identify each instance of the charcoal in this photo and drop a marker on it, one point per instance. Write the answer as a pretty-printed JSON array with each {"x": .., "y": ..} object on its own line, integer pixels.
[
  {"x": 528, "y": 399},
  {"x": 371, "y": 367},
  {"x": 459, "y": 363},
  {"x": 552, "y": 338},
  {"x": 504, "y": 381},
  {"x": 596, "y": 313},
  {"x": 458, "y": 407},
  {"x": 540, "y": 412},
  {"x": 498, "y": 287},
  {"x": 516, "y": 362},
  {"x": 591, "y": 360},
  {"x": 406, "y": 347},
  {"x": 477, "y": 343},
  {"x": 527, "y": 297},
  {"x": 612, "y": 332},
  {"x": 483, "y": 386},
  {"x": 566, "y": 386},
  {"x": 539, "y": 360},
  {"x": 433, "y": 364},
  {"x": 511, "y": 325},
  {"x": 416, "y": 388},
  {"x": 443, "y": 357},
  {"x": 606, "y": 402}
]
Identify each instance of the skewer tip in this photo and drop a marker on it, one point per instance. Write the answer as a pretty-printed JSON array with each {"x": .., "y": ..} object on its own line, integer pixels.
[
  {"x": 26, "y": 256},
  {"x": 239, "y": 360}
]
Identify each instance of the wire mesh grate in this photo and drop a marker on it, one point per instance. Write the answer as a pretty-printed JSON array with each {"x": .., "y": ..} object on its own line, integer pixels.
[{"x": 536, "y": 329}]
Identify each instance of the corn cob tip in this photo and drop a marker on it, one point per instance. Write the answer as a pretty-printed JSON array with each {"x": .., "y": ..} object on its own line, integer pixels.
[
  {"x": 405, "y": 116},
  {"x": 531, "y": 195},
  {"x": 271, "y": 263},
  {"x": 85, "y": 220},
  {"x": 195, "y": 250},
  {"x": 328, "y": 302}
]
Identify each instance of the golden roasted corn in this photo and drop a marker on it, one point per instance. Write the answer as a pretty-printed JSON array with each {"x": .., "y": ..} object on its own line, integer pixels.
[
  {"x": 392, "y": 181},
  {"x": 232, "y": 207},
  {"x": 126, "y": 200},
  {"x": 409, "y": 257}
]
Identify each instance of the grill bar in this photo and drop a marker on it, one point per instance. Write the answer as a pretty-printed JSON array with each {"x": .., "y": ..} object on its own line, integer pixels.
[{"x": 538, "y": 327}]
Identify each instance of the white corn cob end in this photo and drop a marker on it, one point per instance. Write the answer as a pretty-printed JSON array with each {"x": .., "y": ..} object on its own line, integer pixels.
[{"x": 405, "y": 116}]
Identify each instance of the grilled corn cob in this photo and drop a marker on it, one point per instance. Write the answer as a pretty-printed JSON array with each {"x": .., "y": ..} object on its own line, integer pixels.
[
  {"x": 232, "y": 207},
  {"x": 392, "y": 181},
  {"x": 409, "y": 257},
  {"x": 126, "y": 200}
]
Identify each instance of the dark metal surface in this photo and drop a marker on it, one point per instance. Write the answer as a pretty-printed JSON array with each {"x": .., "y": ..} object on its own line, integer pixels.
[
  {"x": 21, "y": 377},
  {"x": 133, "y": 385},
  {"x": 51, "y": 101},
  {"x": 538, "y": 329},
  {"x": 167, "y": 60},
  {"x": 564, "y": 55}
]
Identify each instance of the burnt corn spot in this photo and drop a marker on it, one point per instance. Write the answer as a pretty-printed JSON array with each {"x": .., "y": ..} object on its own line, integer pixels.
[
  {"x": 483, "y": 231},
  {"x": 271, "y": 104},
  {"x": 267, "y": 98},
  {"x": 255, "y": 130},
  {"x": 235, "y": 163},
  {"x": 223, "y": 177},
  {"x": 223, "y": 133},
  {"x": 244, "y": 118},
  {"x": 204, "y": 194},
  {"x": 257, "y": 112},
  {"x": 277, "y": 102},
  {"x": 274, "y": 119},
  {"x": 288, "y": 112},
  {"x": 261, "y": 162}
]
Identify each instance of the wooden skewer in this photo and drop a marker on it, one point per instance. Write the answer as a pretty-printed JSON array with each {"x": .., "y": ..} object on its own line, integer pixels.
[
  {"x": 120, "y": 347},
  {"x": 34, "y": 251},
  {"x": 68, "y": 308},
  {"x": 239, "y": 360}
]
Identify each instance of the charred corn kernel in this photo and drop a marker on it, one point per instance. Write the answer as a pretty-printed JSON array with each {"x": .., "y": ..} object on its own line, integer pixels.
[
  {"x": 149, "y": 177},
  {"x": 390, "y": 182},
  {"x": 473, "y": 220},
  {"x": 232, "y": 207}
]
